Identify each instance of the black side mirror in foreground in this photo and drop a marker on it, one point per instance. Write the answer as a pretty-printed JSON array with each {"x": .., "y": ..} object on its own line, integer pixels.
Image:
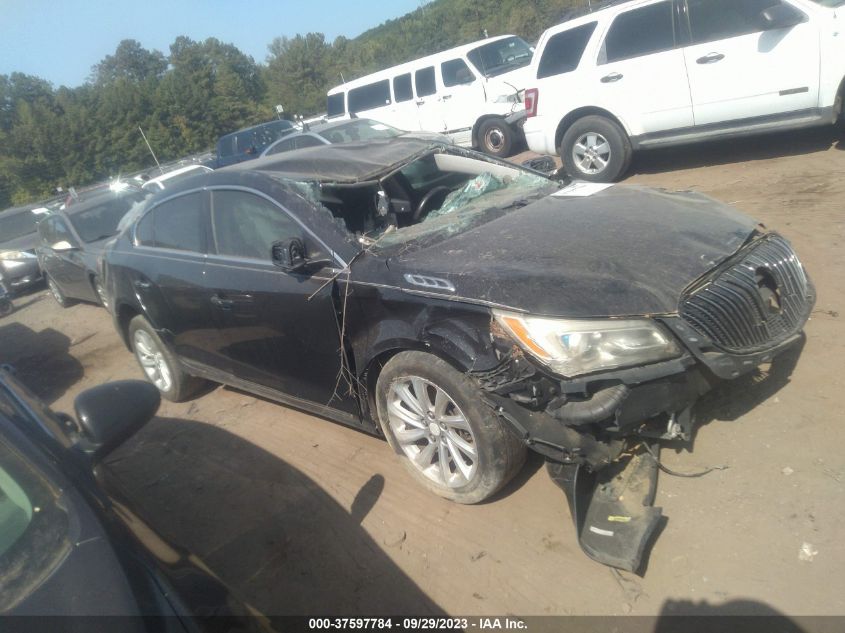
[
  {"x": 289, "y": 254},
  {"x": 110, "y": 414}
]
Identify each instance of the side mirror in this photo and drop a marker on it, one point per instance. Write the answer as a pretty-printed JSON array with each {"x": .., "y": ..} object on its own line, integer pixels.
[
  {"x": 780, "y": 16},
  {"x": 289, "y": 254},
  {"x": 110, "y": 414},
  {"x": 63, "y": 246}
]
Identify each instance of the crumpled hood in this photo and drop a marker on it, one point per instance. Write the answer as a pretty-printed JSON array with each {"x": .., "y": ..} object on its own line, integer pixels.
[{"x": 627, "y": 250}]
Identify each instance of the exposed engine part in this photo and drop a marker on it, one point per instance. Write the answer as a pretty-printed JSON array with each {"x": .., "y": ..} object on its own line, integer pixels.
[{"x": 601, "y": 406}]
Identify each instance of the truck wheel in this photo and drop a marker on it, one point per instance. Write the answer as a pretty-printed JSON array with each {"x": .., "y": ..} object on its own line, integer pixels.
[
  {"x": 496, "y": 137},
  {"x": 595, "y": 148},
  {"x": 160, "y": 365},
  {"x": 445, "y": 436}
]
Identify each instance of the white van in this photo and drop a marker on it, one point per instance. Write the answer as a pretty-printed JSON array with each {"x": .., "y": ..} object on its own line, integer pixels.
[{"x": 472, "y": 94}]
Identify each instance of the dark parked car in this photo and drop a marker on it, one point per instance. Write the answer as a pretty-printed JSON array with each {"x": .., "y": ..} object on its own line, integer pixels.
[
  {"x": 70, "y": 543},
  {"x": 18, "y": 239},
  {"x": 249, "y": 143},
  {"x": 462, "y": 307},
  {"x": 353, "y": 130},
  {"x": 72, "y": 241}
]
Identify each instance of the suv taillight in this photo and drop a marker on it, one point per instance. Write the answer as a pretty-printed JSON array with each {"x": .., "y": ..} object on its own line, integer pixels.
[{"x": 531, "y": 97}]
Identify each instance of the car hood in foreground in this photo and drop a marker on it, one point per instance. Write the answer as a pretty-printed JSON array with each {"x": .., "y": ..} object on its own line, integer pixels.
[{"x": 627, "y": 250}]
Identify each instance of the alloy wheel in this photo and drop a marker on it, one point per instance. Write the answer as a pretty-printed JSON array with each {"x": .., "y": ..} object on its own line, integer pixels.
[
  {"x": 494, "y": 139},
  {"x": 54, "y": 290},
  {"x": 591, "y": 153},
  {"x": 152, "y": 360},
  {"x": 432, "y": 431},
  {"x": 101, "y": 293}
]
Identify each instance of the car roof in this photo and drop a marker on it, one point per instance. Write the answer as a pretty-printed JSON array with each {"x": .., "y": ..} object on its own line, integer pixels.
[
  {"x": 97, "y": 198},
  {"x": 178, "y": 172},
  {"x": 343, "y": 162},
  {"x": 411, "y": 64}
]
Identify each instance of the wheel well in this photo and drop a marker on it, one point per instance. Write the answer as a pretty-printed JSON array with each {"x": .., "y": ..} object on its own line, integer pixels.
[
  {"x": 125, "y": 314},
  {"x": 573, "y": 116},
  {"x": 377, "y": 363},
  {"x": 839, "y": 101}
]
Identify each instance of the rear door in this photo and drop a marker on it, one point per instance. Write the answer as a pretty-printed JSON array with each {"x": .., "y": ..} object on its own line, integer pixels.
[
  {"x": 429, "y": 110},
  {"x": 640, "y": 72},
  {"x": 403, "y": 114},
  {"x": 738, "y": 71},
  {"x": 273, "y": 332},
  {"x": 169, "y": 277}
]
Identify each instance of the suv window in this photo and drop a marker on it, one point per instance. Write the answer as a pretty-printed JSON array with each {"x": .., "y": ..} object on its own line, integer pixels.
[
  {"x": 175, "y": 224},
  {"x": 564, "y": 50},
  {"x": 335, "y": 105},
  {"x": 374, "y": 95},
  {"x": 456, "y": 73},
  {"x": 642, "y": 31},
  {"x": 712, "y": 20},
  {"x": 402, "y": 89},
  {"x": 424, "y": 79},
  {"x": 247, "y": 225}
]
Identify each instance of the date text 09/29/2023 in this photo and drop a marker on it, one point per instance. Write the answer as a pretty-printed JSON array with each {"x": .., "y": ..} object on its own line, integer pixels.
[{"x": 418, "y": 624}]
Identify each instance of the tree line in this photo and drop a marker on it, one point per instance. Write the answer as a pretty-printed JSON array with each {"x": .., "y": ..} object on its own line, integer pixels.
[{"x": 52, "y": 137}]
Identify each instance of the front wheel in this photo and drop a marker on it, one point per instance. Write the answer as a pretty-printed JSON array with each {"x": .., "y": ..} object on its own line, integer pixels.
[
  {"x": 446, "y": 437},
  {"x": 57, "y": 294},
  {"x": 595, "y": 148},
  {"x": 160, "y": 365},
  {"x": 496, "y": 137}
]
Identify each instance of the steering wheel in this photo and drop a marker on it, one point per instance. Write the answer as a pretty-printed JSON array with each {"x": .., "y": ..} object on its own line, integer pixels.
[{"x": 434, "y": 197}]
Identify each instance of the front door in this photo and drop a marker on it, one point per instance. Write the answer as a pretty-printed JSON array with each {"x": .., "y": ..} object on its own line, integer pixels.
[
  {"x": 273, "y": 332},
  {"x": 462, "y": 98},
  {"x": 62, "y": 258},
  {"x": 737, "y": 71}
]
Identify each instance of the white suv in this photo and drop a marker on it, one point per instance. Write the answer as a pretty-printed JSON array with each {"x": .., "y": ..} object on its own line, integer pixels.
[{"x": 650, "y": 73}]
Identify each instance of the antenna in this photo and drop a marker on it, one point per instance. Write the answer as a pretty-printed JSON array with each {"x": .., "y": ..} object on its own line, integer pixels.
[{"x": 149, "y": 147}]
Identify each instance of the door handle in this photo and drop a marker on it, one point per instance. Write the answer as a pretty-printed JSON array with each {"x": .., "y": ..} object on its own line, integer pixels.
[
  {"x": 143, "y": 284},
  {"x": 420, "y": 101},
  {"x": 220, "y": 302},
  {"x": 711, "y": 58},
  {"x": 444, "y": 97},
  {"x": 608, "y": 79}
]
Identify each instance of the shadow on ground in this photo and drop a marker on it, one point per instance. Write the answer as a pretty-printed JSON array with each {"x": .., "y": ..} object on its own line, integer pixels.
[
  {"x": 267, "y": 530},
  {"x": 42, "y": 360},
  {"x": 738, "y": 150}
]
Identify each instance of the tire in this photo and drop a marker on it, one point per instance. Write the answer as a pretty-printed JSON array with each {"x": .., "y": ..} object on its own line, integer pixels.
[
  {"x": 463, "y": 426},
  {"x": 57, "y": 293},
  {"x": 6, "y": 307},
  {"x": 100, "y": 291},
  {"x": 160, "y": 365},
  {"x": 496, "y": 137},
  {"x": 603, "y": 144}
]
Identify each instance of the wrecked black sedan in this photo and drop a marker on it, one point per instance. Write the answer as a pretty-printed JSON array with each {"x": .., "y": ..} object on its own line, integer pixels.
[{"x": 464, "y": 308}]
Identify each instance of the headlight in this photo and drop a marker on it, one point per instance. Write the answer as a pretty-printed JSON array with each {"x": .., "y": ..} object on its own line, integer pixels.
[
  {"x": 574, "y": 347},
  {"x": 16, "y": 255}
]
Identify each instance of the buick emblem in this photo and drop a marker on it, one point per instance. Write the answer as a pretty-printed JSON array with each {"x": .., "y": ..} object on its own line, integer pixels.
[{"x": 769, "y": 292}]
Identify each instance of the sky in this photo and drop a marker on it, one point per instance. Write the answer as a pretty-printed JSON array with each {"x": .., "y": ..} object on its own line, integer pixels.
[{"x": 60, "y": 40}]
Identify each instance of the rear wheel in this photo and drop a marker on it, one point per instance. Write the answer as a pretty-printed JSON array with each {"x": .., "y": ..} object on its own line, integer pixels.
[
  {"x": 595, "y": 148},
  {"x": 160, "y": 365},
  {"x": 57, "y": 294},
  {"x": 496, "y": 137},
  {"x": 447, "y": 439}
]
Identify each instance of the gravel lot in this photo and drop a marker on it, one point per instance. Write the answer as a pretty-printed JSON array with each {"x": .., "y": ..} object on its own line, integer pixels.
[{"x": 304, "y": 516}]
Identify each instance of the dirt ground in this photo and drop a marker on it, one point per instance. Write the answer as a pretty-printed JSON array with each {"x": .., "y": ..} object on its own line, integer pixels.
[{"x": 304, "y": 516}]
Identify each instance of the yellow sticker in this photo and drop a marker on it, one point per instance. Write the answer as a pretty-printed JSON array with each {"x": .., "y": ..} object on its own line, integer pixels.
[{"x": 618, "y": 519}]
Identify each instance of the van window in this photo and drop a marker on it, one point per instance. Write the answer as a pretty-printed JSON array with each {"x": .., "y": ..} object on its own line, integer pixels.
[
  {"x": 424, "y": 79},
  {"x": 641, "y": 32},
  {"x": 335, "y": 105},
  {"x": 374, "y": 95},
  {"x": 455, "y": 72},
  {"x": 713, "y": 20},
  {"x": 501, "y": 56},
  {"x": 402, "y": 89},
  {"x": 564, "y": 50}
]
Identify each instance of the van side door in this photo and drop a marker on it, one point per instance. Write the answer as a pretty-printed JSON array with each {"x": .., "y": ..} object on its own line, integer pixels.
[
  {"x": 462, "y": 98},
  {"x": 428, "y": 102},
  {"x": 737, "y": 70}
]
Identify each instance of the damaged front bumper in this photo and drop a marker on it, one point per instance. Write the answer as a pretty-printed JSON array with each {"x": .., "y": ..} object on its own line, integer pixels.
[{"x": 590, "y": 428}]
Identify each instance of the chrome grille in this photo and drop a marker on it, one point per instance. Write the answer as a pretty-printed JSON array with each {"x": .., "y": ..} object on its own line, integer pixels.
[{"x": 755, "y": 304}]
